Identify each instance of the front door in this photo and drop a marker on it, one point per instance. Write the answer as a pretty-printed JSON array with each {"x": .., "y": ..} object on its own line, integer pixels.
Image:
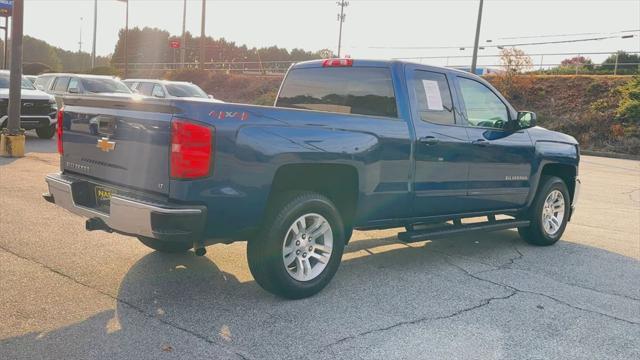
[
  {"x": 441, "y": 164},
  {"x": 500, "y": 167}
]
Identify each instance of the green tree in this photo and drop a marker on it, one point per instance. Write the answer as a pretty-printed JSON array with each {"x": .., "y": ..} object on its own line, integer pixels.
[{"x": 628, "y": 64}]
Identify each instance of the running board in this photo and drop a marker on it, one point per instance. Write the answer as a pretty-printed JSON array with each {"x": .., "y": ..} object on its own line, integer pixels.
[{"x": 458, "y": 229}]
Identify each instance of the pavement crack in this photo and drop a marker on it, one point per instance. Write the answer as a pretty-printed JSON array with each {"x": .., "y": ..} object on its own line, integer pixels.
[
  {"x": 475, "y": 276},
  {"x": 482, "y": 303},
  {"x": 131, "y": 305}
]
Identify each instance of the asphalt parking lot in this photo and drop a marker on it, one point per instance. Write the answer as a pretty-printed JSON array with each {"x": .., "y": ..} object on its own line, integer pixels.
[{"x": 69, "y": 294}]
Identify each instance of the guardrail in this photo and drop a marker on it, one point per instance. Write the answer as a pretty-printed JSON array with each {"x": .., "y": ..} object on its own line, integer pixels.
[{"x": 278, "y": 68}]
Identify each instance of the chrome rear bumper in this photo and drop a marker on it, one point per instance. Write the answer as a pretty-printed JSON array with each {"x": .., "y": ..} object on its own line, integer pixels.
[{"x": 130, "y": 216}]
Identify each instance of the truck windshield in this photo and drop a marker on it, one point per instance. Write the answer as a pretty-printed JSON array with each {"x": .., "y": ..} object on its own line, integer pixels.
[
  {"x": 185, "y": 90},
  {"x": 349, "y": 90},
  {"x": 104, "y": 86},
  {"x": 25, "y": 84}
]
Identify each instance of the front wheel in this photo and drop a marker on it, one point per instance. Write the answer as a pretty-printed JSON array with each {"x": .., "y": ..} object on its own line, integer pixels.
[
  {"x": 46, "y": 132},
  {"x": 548, "y": 214},
  {"x": 300, "y": 247}
]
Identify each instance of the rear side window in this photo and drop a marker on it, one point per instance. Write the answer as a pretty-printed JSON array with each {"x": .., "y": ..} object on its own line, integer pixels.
[
  {"x": 43, "y": 82},
  {"x": 145, "y": 88},
  {"x": 433, "y": 97},
  {"x": 348, "y": 90},
  {"x": 61, "y": 84}
]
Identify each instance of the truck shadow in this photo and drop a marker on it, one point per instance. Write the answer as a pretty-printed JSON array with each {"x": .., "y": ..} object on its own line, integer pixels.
[{"x": 165, "y": 298}]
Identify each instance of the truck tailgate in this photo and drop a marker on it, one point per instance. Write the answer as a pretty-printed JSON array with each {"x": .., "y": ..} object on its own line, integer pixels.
[{"x": 119, "y": 141}]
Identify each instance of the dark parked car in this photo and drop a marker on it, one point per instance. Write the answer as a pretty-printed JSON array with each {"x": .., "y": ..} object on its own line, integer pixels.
[
  {"x": 349, "y": 144},
  {"x": 38, "y": 109}
]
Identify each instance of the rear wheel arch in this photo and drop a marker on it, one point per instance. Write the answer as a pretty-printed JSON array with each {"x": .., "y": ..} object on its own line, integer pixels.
[{"x": 338, "y": 182}]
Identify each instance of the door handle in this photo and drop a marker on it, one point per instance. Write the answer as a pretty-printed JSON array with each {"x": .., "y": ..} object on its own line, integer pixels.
[
  {"x": 429, "y": 140},
  {"x": 480, "y": 142}
]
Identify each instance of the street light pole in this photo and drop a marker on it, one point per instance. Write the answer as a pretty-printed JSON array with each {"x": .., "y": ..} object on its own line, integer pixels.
[
  {"x": 474, "y": 60},
  {"x": 15, "y": 79},
  {"x": 95, "y": 29}
]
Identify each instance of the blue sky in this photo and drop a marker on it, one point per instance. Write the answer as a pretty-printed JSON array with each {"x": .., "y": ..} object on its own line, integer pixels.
[{"x": 312, "y": 24}]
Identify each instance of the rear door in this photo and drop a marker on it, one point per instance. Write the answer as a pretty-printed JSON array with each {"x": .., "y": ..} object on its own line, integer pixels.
[
  {"x": 441, "y": 158},
  {"x": 118, "y": 141},
  {"x": 500, "y": 159}
]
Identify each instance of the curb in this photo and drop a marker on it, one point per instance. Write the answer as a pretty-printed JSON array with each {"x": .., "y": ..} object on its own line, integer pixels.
[{"x": 610, "y": 155}]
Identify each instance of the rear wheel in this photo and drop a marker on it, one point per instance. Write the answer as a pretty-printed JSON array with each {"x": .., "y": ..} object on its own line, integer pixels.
[
  {"x": 46, "y": 132},
  {"x": 166, "y": 246},
  {"x": 548, "y": 214},
  {"x": 300, "y": 247}
]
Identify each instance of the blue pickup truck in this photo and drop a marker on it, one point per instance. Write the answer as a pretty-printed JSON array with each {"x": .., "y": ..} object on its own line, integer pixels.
[{"x": 349, "y": 144}]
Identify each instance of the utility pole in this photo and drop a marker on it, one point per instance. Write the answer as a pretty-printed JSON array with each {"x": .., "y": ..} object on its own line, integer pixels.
[
  {"x": 126, "y": 45},
  {"x": 80, "y": 42},
  {"x": 341, "y": 16},
  {"x": 202, "y": 34},
  {"x": 12, "y": 141},
  {"x": 474, "y": 60},
  {"x": 95, "y": 29},
  {"x": 183, "y": 46}
]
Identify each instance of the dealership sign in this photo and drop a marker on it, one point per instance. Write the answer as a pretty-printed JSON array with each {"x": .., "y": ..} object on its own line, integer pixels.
[
  {"x": 5, "y": 7},
  {"x": 174, "y": 44}
]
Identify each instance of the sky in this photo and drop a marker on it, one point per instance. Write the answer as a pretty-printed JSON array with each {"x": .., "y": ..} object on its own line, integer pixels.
[{"x": 379, "y": 29}]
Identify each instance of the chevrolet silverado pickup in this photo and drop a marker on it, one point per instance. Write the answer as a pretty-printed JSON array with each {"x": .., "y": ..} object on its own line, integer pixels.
[{"x": 349, "y": 144}]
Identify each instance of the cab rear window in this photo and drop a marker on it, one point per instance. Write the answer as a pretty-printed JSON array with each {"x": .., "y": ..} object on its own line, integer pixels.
[{"x": 348, "y": 90}]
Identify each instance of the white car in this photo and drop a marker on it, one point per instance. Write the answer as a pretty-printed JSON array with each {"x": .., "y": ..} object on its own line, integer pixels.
[
  {"x": 38, "y": 110},
  {"x": 166, "y": 89}
]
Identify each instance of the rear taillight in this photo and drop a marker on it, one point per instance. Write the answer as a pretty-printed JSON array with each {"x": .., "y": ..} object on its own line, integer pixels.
[
  {"x": 191, "y": 148},
  {"x": 60, "y": 130},
  {"x": 337, "y": 63}
]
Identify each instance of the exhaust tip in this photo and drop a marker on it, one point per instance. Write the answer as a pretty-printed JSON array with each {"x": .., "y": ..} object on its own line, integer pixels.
[{"x": 96, "y": 224}]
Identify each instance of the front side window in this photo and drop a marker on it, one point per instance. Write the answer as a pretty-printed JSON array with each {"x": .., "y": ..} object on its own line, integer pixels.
[
  {"x": 348, "y": 90},
  {"x": 43, "y": 82},
  {"x": 484, "y": 108},
  {"x": 99, "y": 85},
  {"x": 185, "y": 90},
  {"x": 433, "y": 97}
]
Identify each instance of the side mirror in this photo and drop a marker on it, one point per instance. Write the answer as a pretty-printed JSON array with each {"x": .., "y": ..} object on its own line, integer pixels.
[
  {"x": 210, "y": 96},
  {"x": 73, "y": 90},
  {"x": 526, "y": 119}
]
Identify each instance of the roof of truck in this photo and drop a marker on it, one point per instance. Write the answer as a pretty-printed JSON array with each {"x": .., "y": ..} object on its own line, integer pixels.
[{"x": 377, "y": 63}]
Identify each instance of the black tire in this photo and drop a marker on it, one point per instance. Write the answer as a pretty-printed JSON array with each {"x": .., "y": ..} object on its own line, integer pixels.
[
  {"x": 172, "y": 247},
  {"x": 535, "y": 233},
  {"x": 265, "y": 250},
  {"x": 46, "y": 132}
]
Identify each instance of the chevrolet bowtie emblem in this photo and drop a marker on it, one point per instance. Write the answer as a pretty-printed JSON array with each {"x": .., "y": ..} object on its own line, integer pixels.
[{"x": 105, "y": 145}]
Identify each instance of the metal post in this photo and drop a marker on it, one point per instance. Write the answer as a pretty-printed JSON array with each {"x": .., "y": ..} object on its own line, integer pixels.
[
  {"x": 126, "y": 47},
  {"x": 95, "y": 29},
  {"x": 6, "y": 45},
  {"x": 183, "y": 50},
  {"x": 474, "y": 60},
  {"x": 615, "y": 68},
  {"x": 202, "y": 34},
  {"x": 541, "y": 61},
  {"x": 15, "y": 80}
]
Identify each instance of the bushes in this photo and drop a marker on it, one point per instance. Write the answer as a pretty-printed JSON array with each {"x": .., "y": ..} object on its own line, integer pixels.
[{"x": 601, "y": 112}]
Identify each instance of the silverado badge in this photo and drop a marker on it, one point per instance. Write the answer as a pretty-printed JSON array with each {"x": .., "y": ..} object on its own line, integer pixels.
[{"x": 105, "y": 145}]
